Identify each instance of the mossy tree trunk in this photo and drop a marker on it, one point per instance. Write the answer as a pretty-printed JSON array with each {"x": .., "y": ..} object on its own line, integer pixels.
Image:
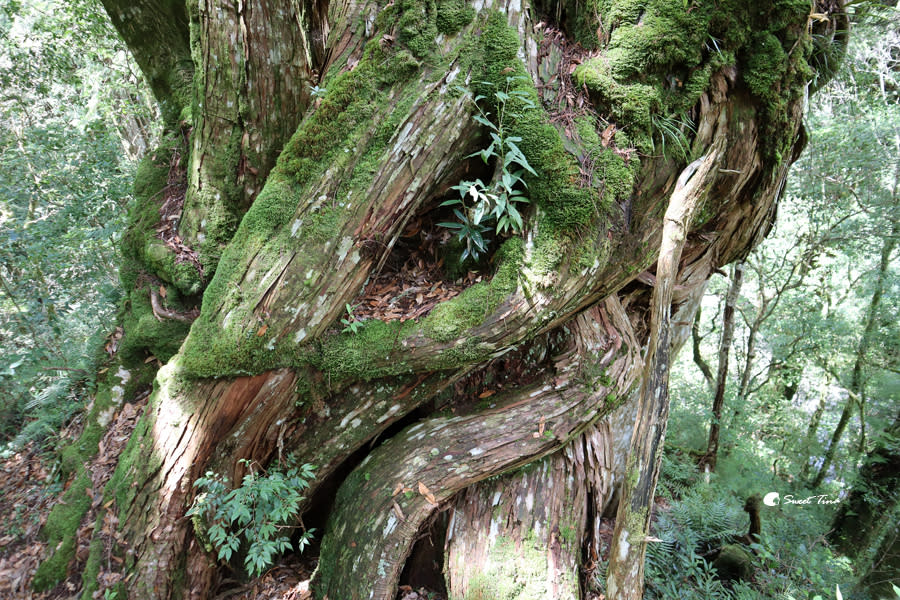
[{"x": 529, "y": 373}]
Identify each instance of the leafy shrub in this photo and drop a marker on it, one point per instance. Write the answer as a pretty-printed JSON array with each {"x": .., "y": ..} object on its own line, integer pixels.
[{"x": 256, "y": 515}]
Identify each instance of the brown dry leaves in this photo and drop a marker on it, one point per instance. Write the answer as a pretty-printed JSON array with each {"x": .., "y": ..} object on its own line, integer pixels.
[
  {"x": 26, "y": 500},
  {"x": 24, "y": 504},
  {"x": 170, "y": 213},
  {"x": 412, "y": 289}
]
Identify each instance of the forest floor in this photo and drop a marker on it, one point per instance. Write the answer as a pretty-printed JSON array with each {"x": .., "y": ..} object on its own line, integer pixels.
[
  {"x": 29, "y": 489},
  {"x": 26, "y": 496}
]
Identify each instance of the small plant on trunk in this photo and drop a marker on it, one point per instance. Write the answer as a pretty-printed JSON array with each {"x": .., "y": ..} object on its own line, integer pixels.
[{"x": 482, "y": 207}]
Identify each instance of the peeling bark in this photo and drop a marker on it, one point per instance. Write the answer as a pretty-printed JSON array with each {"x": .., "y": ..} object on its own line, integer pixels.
[{"x": 625, "y": 574}]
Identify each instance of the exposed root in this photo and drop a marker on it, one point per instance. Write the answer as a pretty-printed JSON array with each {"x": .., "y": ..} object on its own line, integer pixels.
[{"x": 161, "y": 312}]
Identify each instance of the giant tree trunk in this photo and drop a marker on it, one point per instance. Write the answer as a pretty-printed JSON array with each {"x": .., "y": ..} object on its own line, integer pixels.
[{"x": 537, "y": 355}]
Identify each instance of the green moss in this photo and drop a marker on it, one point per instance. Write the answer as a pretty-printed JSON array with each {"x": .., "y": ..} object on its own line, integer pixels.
[
  {"x": 766, "y": 66},
  {"x": 140, "y": 246},
  {"x": 129, "y": 466},
  {"x": 417, "y": 26},
  {"x": 569, "y": 534},
  {"x": 354, "y": 355},
  {"x": 635, "y": 521},
  {"x": 152, "y": 172},
  {"x": 89, "y": 576},
  {"x": 450, "y": 319},
  {"x": 60, "y": 530},
  {"x": 660, "y": 57},
  {"x": 111, "y": 391},
  {"x": 734, "y": 563},
  {"x": 515, "y": 571},
  {"x": 323, "y": 224},
  {"x": 145, "y": 334},
  {"x": 453, "y": 15}
]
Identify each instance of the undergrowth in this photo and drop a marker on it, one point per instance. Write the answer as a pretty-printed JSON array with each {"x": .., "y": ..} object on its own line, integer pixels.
[{"x": 703, "y": 512}]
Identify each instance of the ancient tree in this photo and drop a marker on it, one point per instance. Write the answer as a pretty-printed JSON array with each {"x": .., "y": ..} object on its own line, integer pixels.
[{"x": 293, "y": 296}]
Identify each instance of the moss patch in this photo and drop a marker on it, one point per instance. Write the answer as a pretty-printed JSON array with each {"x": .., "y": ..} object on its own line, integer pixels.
[
  {"x": 515, "y": 572},
  {"x": 59, "y": 530},
  {"x": 453, "y": 15},
  {"x": 140, "y": 246},
  {"x": 660, "y": 57},
  {"x": 450, "y": 319},
  {"x": 145, "y": 335},
  {"x": 92, "y": 565}
]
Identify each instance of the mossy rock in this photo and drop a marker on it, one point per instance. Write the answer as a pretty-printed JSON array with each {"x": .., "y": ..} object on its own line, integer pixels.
[{"x": 734, "y": 563}]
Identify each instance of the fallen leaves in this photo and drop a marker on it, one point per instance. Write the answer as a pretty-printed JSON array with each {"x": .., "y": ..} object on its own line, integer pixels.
[
  {"x": 170, "y": 213},
  {"x": 26, "y": 500},
  {"x": 24, "y": 504},
  {"x": 412, "y": 282},
  {"x": 424, "y": 491}
]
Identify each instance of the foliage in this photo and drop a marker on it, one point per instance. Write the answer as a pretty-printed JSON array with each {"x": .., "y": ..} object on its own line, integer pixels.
[
  {"x": 350, "y": 322},
  {"x": 804, "y": 359},
  {"x": 494, "y": 203},
  {"x": 254, "y": 515},
  {"x": 791, "y": 560},
  {"x": 67, "y": 138}
]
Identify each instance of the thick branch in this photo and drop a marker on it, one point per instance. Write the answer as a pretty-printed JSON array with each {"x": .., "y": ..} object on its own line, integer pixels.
[
  {"x": 625, "y": 574},
  {"x": 156, "y": 32},
  {"x": 445, "y": 455}
]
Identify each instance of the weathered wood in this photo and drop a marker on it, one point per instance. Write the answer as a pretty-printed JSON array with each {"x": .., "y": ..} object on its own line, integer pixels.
[
  {"x": 625, "y": 574},
  {"x": 382, "y": 504},
  {"x": 529, "y": 529},
  {"x": 256, "y": 65}
]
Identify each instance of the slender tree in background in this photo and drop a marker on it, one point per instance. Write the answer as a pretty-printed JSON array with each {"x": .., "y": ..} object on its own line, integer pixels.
[
  {"x": 731, "y": 298},
  {"x": 314, "y": 151},
  {"x": 856, "y": 387}
]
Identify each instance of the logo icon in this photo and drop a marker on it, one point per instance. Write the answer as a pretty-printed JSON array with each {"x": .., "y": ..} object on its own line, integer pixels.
[{"x": 772, "y": 499}]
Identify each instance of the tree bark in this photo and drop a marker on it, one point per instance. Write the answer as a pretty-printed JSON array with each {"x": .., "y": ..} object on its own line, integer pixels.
[
  {"x": 625, "y": 574},
  {"x": 526, "y": 532},
  {"x": 559, "y": 312}
]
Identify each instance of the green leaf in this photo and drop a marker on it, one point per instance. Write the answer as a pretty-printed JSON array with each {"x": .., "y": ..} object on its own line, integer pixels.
[{"x": 482, "y": 121}]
